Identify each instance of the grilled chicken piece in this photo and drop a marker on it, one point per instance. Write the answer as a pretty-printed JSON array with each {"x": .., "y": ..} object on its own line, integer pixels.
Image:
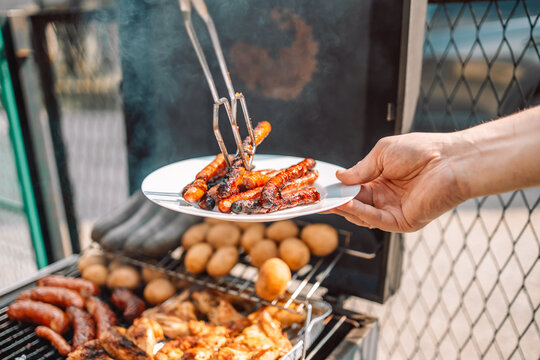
[
  {"x": 204, "y": 301},
  {"x": 224, "y": 314},
  {"x": 254, "y": 338},
  {"x": 272, "y": 329},
  {"x": 287, "y": 318},
  {"x": 177, "y": 306},
  {"x": 200, "y": 328},
  {"x": 180, "y": 348},
  {"x": 172, "y": 326},
  {"x": 267, "y": 354},
  {"x": 173, "y": 315},
  {"x": 218, "y": 311},
  {"x": 120, "y": 347},
  {"x": 91, "y": 350},
  {"x": 230, "y": 353},
  {"x": 198, "y": 353},
  {"x": 145, "y": 333}
]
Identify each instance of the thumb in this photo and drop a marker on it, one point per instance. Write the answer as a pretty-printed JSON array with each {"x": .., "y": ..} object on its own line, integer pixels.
[{"x": 364, "y": 171}]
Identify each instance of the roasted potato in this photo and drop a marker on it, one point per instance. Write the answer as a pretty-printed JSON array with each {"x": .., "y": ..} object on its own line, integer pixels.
[
  {"x": 197, "y": 257},
  {"x": 223, "y": 234},
  {"x": 251, "y": 235},
  {"x": 273, "y": 278},
  {"x": 222, "y": 261},
  {"x": 294, "y": 252},
  {"x": 322, "y": 239},
  {"x": 149, "y": 274},
  {"x": 158, "y": 290},
  {"x": 243, "y": 225},
  {"x": 90, "y": 258},
  {"x": 282, "y": 230},
  {"x": 261, "y": 251},
  {"x": 195, "y": 234},
  {"x": 124, "y": 276},
  {"x": 96, "y": 273}
]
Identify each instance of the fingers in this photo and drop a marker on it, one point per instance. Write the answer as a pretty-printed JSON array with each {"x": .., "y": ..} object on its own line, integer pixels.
[
  {"x": 365, "y": 195},
  {"x": 351, "y": 218},
  {"x": 368, "y": 214},
  {"x": 364, "y": 171}
]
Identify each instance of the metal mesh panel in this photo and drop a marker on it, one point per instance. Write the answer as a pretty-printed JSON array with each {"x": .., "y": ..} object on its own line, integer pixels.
[
  {"x": 86, "y": 64},
  {"x": 17, "y": 255},
  {"x": 471, "y": 280}
]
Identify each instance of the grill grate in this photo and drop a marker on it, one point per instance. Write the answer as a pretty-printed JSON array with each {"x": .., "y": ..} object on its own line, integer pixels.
[
  {"x": 18, "y": 340},
  {"x": 304, "y": 284}
]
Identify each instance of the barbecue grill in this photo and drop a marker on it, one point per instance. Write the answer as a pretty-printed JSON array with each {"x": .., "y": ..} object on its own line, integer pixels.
[{"x": 362, "y": 51}]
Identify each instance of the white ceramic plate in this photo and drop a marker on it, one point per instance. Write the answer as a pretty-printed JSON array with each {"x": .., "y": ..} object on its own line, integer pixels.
[{"x": 164, "y": 185}]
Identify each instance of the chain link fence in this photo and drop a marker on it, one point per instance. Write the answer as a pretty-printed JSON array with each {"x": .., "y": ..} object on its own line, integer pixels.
[
  {"x": 471, "y": 279},
  {"x": 84, "y": 54}
]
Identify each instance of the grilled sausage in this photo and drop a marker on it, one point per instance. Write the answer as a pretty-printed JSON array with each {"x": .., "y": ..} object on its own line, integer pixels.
[
  {"x": 255, "y": 179},
  {"x": 84, "y": 327},
  {"x": 102, "y": 314},
  {"x": 253, "y": 194},
  {"x": 299, "y": 183},
  {"x": 194, "y": 191},
  {"x": 39, "y": 313},
  {"x": 233, "y": 178},
  {"x": 53, "y": 295},
  {"x": 55, "y": 339},
  {"x": 261, "y": 132},
  {"x": 84, "y": 287},
  {"x": 273, "y": 187},
  {"x": 208, "y": 201},
  {"x": 125, "y": 300},
  {"x": 287, "y": 200},
  {"x": 231, "y": 182}
]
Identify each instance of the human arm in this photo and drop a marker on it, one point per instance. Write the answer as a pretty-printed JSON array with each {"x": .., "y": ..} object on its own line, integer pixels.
[{"x": 409, "y": 180}]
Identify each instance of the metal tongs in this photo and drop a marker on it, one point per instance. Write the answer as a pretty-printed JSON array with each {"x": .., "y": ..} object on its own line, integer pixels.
[{"x": 230, "y": 105}]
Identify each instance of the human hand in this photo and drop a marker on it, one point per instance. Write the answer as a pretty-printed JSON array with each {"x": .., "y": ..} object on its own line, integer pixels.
[{"x": 407, "y": 181}]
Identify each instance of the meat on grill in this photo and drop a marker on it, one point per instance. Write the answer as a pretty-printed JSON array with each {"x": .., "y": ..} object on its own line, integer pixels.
[
  {"x": 84, "y": 287},
  {"x": 130, "y": 303},
  {"x": 53, "y": 295},
  {"x": 84, "y": 326},
  {"x": 54, "y": 338},
  {"x": 102, "y": 314},
  {"x": 39, "y": 313}
]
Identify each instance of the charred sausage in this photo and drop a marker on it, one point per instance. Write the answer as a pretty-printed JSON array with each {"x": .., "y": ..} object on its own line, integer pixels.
[
  {"x": 229, "y": 186},
  {"x": 234, "y": 176},
  {"x": 195, "y": 190},
  {"x": 299, "y": 183},
  {"x": 54, "y": 295},
  {"x": 102, "y": 314},
  {"x": 273, "y": 187},
  {"x": 253, "y": 194},
  {"x": 287, "y": 200},
  {"x": 84, "y": 287},
  {"x": 54, "y": 338},
  {"x": 84, "y": 326},
  {"x": 125, "y": 300},
  {"x": 255, "y": 179},
  {"x": 39, "y": 313}
]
